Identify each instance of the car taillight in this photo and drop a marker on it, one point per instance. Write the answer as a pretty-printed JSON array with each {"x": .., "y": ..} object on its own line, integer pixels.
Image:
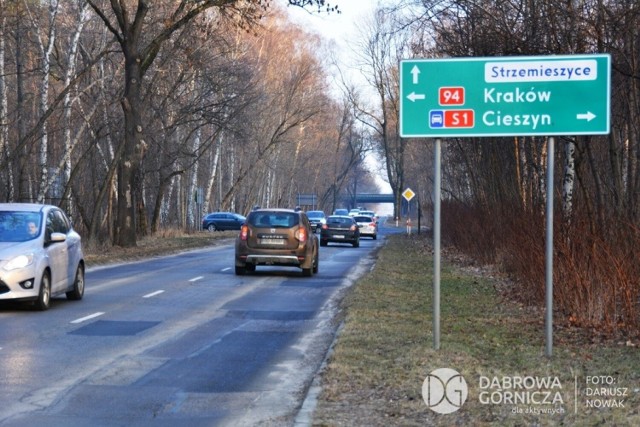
[
  {"x": 244, "y": 232},
  {"x": 301, "y": 234},
  {"x": 325, "y": 227},
  {"x": 353, "y": 228}
]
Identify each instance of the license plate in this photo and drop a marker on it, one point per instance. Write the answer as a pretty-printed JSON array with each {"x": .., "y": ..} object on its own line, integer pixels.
[
  {"x": 338, "y": 236},
  {"x": 272, "y": 241}
]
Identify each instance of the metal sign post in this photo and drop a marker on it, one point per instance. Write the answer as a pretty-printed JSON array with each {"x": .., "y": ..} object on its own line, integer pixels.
[
  {"x": 436, "y": 245},
  {"x": 549, "y": 250}
]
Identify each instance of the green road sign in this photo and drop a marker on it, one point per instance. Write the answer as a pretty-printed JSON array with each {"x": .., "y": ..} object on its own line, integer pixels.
[{"x": 505, "y": 96}]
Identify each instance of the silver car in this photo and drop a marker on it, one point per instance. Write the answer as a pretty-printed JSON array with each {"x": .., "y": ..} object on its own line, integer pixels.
[
  {"x": 367, "y": 225},
  {"x": 40, "y": 254}
]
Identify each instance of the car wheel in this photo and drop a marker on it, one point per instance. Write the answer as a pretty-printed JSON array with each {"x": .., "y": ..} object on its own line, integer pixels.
[
  {"x": 77, "y": 292},
  {"x": 323, "y": 243},
  {"x": 240, "y": 270},
  {"x": 375, "y": 237},
  {"x": 212, "y": 227},
  {"x": 44, "y": 296},
  {"x": 250, "y": 268},
  {"x": 356, "y": 244}
]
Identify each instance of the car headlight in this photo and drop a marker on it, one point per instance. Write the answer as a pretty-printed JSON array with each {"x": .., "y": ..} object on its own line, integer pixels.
[{"x": 21, "y": 261}]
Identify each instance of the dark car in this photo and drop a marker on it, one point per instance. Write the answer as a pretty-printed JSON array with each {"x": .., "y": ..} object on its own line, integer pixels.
[
  {"x": 281, "y": 237},
  {"x": 340, "y": 228},
  {"x": 222, "y": 221},
  {"x": 317, "y": 219}
]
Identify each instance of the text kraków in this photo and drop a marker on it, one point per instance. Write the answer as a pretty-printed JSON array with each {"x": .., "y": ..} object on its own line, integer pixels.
[{"x": 493, "y": 96}]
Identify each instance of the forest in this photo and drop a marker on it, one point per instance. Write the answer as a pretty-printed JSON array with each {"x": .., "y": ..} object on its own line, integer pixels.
[{"x": 140, "y": 115}]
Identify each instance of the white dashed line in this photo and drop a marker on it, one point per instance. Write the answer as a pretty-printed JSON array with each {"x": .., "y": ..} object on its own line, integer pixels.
[
  {"x": 91, "y": 316},
  {"x": 195, "y": 279},
  {"x": 153, "y": 294},
  {"x": 226, "y": 269}
]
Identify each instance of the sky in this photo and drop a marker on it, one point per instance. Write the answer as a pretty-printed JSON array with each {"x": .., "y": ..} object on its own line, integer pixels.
[
  {"x": 342, "y": 29},
  {"x": 337, "y": 26}
]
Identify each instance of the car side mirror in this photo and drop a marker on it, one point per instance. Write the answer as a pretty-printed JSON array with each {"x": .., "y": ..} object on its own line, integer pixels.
[{"x": 57, "y": 238}]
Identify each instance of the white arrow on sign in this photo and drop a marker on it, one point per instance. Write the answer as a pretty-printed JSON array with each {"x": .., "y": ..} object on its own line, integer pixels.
[
  {"x": 588, "y": 116},
  {"x": 414, "y": 96},
  {"x": 415, "y": 71}
]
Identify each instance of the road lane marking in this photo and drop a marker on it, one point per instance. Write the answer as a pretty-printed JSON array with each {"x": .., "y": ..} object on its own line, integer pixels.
[
  {"x": 91, "y": 316},
  {"x": 226, "y": 269},
  {"x": 153, "y": 294},
  {"x": 195, "y": 279}
]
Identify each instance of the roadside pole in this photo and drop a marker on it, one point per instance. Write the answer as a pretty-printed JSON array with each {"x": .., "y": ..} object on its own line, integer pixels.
[
  {"x": 408, "y": 194},
  {"x": 408, "y": 222},
  {"x": 436, "y": 246},
  {"x": 549, "y": 250}
]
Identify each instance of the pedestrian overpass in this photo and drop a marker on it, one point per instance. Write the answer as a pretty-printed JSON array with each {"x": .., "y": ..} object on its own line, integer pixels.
[
  {"x": 360, "y": 198},
  {"x": 374, "y": 198}
]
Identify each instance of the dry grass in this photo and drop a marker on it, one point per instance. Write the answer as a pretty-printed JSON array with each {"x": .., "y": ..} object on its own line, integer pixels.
[
  {"x": 595, "y": 265},
  {"x": 385, "y": 350}
]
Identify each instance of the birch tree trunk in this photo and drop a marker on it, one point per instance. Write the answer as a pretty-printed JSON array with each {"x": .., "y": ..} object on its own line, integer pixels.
[
  {"x": 83, "y": 16},
  {"x": 4, "y": 108},
  {"x": 568, "y": 182},
  {"x": 212, "y": 174},
  {"x": 45, "y": 51},
  {"x": 192, "y": 214}
]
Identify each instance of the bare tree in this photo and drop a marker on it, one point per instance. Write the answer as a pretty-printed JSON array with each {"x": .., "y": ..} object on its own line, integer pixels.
[
  {"x": 379, "y": 50},
  {"x": 141, "y": 28}
]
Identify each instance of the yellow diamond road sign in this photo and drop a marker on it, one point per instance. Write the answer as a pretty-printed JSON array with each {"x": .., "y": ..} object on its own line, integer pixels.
[{"x": 408, "y": 194}]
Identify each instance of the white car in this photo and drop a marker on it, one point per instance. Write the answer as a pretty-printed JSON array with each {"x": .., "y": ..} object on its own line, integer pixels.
[
  {"x": 367, "y": 226},
  {"x": 40, "y": 254},
  {"x": 317, "y": 219},
  {"x": 369, "y": 213}
]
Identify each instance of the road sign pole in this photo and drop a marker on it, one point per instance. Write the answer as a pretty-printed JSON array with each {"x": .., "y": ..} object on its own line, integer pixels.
[
  {"x": 436, "y": 246},
  {"x": 549, "y": 249}
]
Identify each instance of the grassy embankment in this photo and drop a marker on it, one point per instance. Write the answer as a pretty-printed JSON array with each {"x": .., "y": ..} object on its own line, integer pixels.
[
  {"x": 163, "y": 243},
  {"x": 384, "y": 352}
]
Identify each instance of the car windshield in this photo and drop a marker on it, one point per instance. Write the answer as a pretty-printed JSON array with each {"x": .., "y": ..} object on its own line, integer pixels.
[
  {"x": 18, "y": 226},
  {"x": 273, "y": 219},
  {"x": 339, "y": 221},
  {"x": 315, "y": 214},
  {"x": 363, "y": 219}
]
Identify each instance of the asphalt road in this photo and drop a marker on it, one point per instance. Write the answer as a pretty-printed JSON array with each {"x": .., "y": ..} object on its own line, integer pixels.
[{"x": 177, "y": 340}]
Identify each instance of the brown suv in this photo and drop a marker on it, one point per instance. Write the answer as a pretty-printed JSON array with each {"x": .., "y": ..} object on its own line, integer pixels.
[{"x": 280, "y": 237}]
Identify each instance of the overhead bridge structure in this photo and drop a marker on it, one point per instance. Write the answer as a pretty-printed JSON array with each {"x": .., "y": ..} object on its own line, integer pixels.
[
  {"x": 310, "y": 201},
  {"x": 373, "y": 198}
]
